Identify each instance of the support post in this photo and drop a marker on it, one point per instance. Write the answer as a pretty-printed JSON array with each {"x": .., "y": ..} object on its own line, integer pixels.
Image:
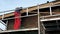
[
  {"x": 50, "y": 10},
  {"x": 3, "y": 16},
  {"x": 7, "y": 24},
  {"x": 38, "y": 22},
  {"x": 27, "y": 12}
]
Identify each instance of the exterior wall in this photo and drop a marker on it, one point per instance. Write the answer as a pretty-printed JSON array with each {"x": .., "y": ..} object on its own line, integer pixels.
[
  {"x": 10, "y": 24},
  {"x": 27, "y": 22},
  {"x": 56, "y": 10},
  {"x": 30, "y": 22}
]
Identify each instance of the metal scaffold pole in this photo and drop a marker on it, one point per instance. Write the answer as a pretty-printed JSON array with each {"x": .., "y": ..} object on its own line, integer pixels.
[
  {"x": 27, "y": 12},
  {"x": 50, "y": 11},
  {"x": 3, "y": 16},
  {"x": 38, "y": 22}
]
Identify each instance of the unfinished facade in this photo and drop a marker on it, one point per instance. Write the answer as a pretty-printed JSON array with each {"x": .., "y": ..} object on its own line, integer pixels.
[{"x": 40, "y": 19}]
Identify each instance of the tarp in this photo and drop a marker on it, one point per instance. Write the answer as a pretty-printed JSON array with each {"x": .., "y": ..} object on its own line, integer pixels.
[{"x": 2, "y": 25}]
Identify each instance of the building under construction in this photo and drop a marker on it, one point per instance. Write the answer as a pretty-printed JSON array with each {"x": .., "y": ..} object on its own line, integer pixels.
[{"x": 39, "y": 19}]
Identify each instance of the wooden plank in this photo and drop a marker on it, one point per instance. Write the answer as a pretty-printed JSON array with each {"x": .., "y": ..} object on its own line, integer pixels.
[
  {"x": 28, "y": 29},
  {"x": 46, "y": 12},
  {"x": 50, "y": 19}
]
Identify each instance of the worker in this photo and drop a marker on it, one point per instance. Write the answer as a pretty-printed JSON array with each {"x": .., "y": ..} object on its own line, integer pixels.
[{"x": 17, "y": 20}]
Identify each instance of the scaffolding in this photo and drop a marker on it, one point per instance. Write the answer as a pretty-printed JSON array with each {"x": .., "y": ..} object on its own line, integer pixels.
[
  {"x": 25, "y": 29},
  {"x": 33, "y": 19}
]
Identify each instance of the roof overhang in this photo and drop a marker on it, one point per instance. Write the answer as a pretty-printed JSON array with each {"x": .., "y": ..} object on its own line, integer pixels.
[{"x": 34, "y": 8}]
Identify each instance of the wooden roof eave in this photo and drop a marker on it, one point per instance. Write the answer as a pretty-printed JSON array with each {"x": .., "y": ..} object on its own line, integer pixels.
[{"x": 33, "y": 8}]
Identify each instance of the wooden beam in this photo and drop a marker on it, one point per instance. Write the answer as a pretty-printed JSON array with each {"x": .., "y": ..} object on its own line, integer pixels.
[{"x": 46, "y": 12}]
